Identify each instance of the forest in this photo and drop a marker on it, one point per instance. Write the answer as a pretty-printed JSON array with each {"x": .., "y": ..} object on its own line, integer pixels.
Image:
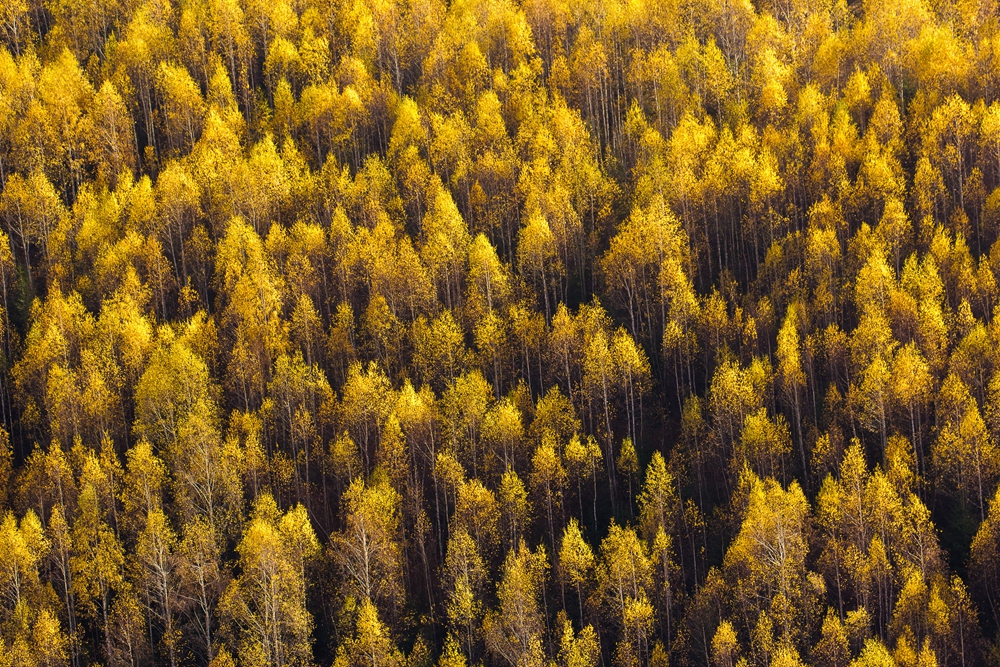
[{"x": 499, "y": 333}]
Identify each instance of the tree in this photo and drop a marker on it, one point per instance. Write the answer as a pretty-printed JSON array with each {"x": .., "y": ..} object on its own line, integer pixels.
[
  {"x": 251, "y": 316},
  {"x": 206, "y": 480},
  {"x": 62, "y": 557},
  {"x": 537, "y": 257},
  {"x": 366, "y": 400},
  {"x": 23, "y": 545},
  {"x": 143, "y": 484},
  {"x": 950, "y": 130},
  {"x": 201, "y": 579},
  {"x": 599, "y": 382},
  {"x": 576, "y": 563},
  {"x": 175, "y": 380},
  {"x": 580, "y": 649},
  {"x": 476, "y": 510},
  {"x": 16, "y": 26},
  {"x": 465, "y": 579},
  {"x": 113, "y": 127},
  {"x": 503, "y": 432},
  {"x": 624, "y": 582},
  {"x": 582, "y": 459},
  {"x": 266, "y": 604},
  {"x": 516, "y": 508},
  {"x": 660, "y": 513},
  {"x": 725, "y": 646},
  {"x": 911, "y": 388},
  {"x": 96, "y": 563},
  {"x": 130, "y": 641},
  {"x": 261, "y": 186},
  {"x": 370, "y": 644},
  {"x": 763, "y": 445},
  {"x": 445, "y": 246},
  {"x": 735, "y": 393},
  {"x": 32, "y": 210},
  {"x": 766, "y": 563},
  {"x": 155, "y": 553},
  {"x": 368, "y": 551},
  {"x": 790, "y": 371},
  {"x": 301, "y": 400},
  {"x": 439, "y": 353},
  {"x": 641, "y": 263},
  {"x": 464, "y": 406},
  {"x": 491, "y": 340},
  {"x": 489, "y": 279},
  {"x": 984, "y": 568},
  {"x": 874, "y": 342},
  {"x": 964, "y": 453},
  {"x": 548, "y": 477},
  {"x": 832, "y": 649},
  {"x": 634, "y": 378},
  {"x": 513, "y": 632}
]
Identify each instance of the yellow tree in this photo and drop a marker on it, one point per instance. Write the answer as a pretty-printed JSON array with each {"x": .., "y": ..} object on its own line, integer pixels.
[
  {"x": 23, "y": 545},
  {"x": 368, "y": 549},
  {"x": 300, "y": 398},
  {"x": 964, "y": 455},
  {"x": 371, "y": 644},
  {"x": 514, "y": 631},
  {"x": 646, "y": 250},
  {"x": 503, "y": 435},
  {"x": 600, "y": 379},
  {"x": 763, "y": 445},
  {"x": 445, "y": 244},
  {"x": 477, "y": 512},
  {"x": 439, "y": 353},
  {"x": 984, "y": 567},
  {"x": 489, "y": 280},
  {"x": 950, "y": 132},
  {"x": 793, "y": 379},
  {"x": 766, "y": 564},
  {"x": 31, "y": 634},
  {"x": 155, "y": 555},
  {"x": 537, "y": 258},
  {"x": 659, "y": 515},
  {"x": 266, "y": 603},
  {"x": 465, "y": 580},
  {"x": 624, "y": 578},
  {"x": 911, "y": 390},
  {"x": 200, "y": 573},
  {"x": 115, "y": 150},
  {"x": 736, "y": 392},
  {"x": 97, "y": 563},
  {"x": 251, "y": 317},
  {"x": 634, "y": 377},
  {"x": 32, "y": 209},
  {"x": 548, "y": 478},
  {"x": 142, "y": 492},
  {"x": 174, "y": 381},
  {"x": 464, "y": 406},
  {"x": 205, "y": 476},
  {"x": 576, "y": 564},
  {"x": 581, "y": 649},
  {"x": 366, "y": 401},
  {"x": 516, "y": 508}
]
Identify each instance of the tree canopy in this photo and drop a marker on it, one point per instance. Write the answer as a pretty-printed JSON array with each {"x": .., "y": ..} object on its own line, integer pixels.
[{"x": 499, "y": 333}]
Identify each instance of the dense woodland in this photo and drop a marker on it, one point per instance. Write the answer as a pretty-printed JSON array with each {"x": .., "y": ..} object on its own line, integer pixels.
[{"x": 541, "y": 333}]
